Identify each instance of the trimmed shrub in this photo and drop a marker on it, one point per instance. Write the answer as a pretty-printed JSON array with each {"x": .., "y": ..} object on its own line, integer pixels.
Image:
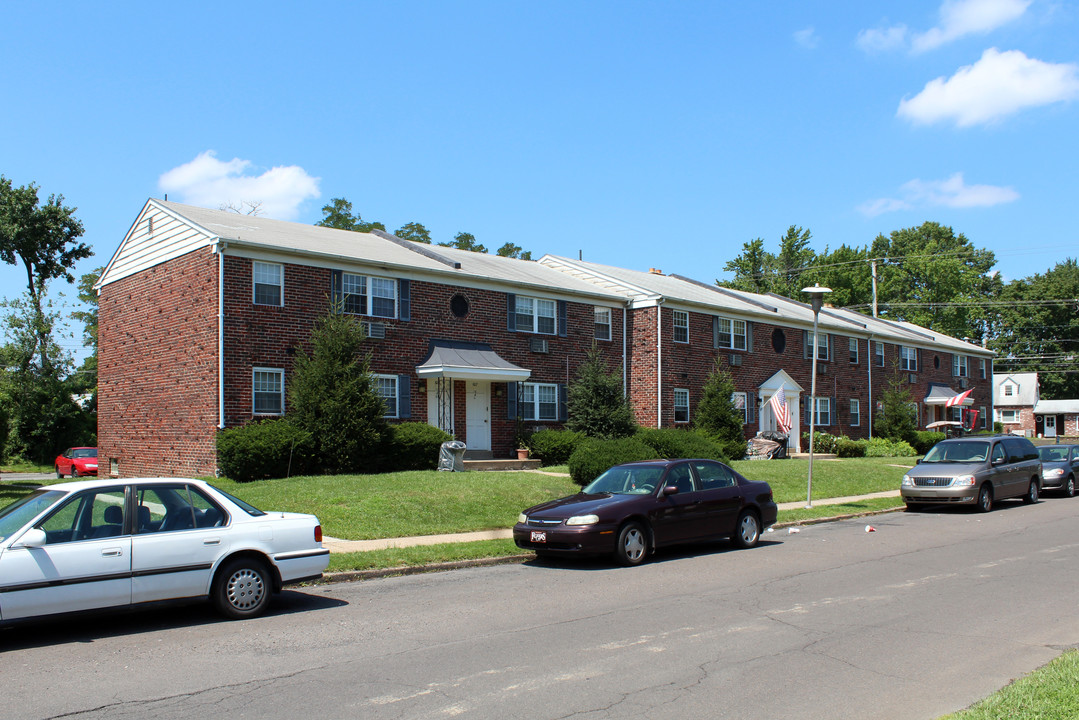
[
  {"x": 926, "y": 439},
  {"x": 267, "y": 449},
  {"x": 882, "y": 447},
  {"x": 414, "y": 446},
  {"x": 554, "y": 447},
  {"x": 822, "y": 441},
  {"x": 847, "y": 448},
  {"x": 674, "y": 443},
  {"x": 593, "y": 456}
]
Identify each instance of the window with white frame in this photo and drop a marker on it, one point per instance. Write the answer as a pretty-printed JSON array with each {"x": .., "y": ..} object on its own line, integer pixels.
[
  {"x": 1009, "y": 390},
  {"x": 603, "y": 324},
  {"x": 959, "y": 365},
  {"x": 855, "y": 412},
  {"x": 538, "y": 401},
  {"x": 386, "y": 388},
  {"x": 268, "y": 283},
  {"x": 981, "y": 368},
  {"x": 1009, "y": 416},
  {"x": 681, "y": 326},
  {"x": 908, "y": 358},
  {"x": 739, "y": 399},
  {"x": 822, "y": 345},
  {"x": 366, "y": 295},
  {"x": 731, "y": 334},
  {"x": 536, "y": 315},
  {"x": 824, "y": 411},
  {"x": 268, "y": 391},
  {"x": 854, "y": 350},
  {"x": 878, "y": 348},
  {"x": 681, "y": 405},
  {"x": 982, "y": 418}
]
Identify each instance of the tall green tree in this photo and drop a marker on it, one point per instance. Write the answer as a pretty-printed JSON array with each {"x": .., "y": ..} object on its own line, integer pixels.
[
  {"x": 415, "y": 232},
  {"x": 931, "y": 276},
  {"x": 717, "y": 416},
  {"x": 465, "y": 241},
  {"x": 338, "y": 214},
  {"x": 759, "y": 271},
  {"x": 514, "y": 251},
  {"x": 1036, "y": 329},
  {"x": 897, "y": 418},
  {"x": 332, "y": 396},
  {"x": 44, "y": 238},
  {"x": 596, "y": 405}
]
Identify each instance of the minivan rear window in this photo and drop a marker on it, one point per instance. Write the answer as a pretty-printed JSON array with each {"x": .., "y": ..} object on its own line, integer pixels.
[{"x": 971, "y": 451}]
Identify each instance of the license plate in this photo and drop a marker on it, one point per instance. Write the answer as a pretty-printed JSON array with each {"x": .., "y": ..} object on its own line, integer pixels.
[{"x": 539, "y": 536}]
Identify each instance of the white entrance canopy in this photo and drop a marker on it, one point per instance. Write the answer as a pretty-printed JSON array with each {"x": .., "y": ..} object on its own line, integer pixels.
[{"x": 468, "y": 361}]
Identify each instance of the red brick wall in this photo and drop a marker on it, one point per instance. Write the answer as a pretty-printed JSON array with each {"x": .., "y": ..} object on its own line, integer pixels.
[
  {"x": 157, "y": 369},
  {"x": 687, "y": 366}
]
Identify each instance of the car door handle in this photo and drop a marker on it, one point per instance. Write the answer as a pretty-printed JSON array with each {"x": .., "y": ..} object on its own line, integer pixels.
[
  {"x": 112, "y": 552},
  {"x": 212, "y": 541}
]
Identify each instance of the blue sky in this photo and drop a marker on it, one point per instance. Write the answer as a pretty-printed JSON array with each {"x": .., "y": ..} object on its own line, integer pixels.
[{"x": 639, "y": 134}]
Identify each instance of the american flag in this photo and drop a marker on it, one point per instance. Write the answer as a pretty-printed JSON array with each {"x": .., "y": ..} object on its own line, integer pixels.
[
  {"x": 778, "y": 403},
  {"x": 958, "y": 399}
]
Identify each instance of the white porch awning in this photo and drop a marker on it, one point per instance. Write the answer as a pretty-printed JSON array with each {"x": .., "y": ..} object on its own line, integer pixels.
[{"x": 468, "y": 361}]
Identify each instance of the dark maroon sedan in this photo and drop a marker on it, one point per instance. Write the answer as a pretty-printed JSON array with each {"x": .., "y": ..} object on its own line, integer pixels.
[{"x": 633, "y": 509}]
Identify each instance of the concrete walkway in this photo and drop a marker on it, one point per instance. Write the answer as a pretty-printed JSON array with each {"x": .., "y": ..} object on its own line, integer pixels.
[{"x": 335, "y": 545}]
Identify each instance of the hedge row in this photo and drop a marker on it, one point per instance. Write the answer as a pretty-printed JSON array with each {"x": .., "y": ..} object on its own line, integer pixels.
[{"x": 276, "y": 448}]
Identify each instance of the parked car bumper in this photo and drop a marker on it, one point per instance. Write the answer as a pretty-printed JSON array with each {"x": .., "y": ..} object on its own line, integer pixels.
[
  {"x": 581, "y": 540},
  {"x": 967, "y": 495}
]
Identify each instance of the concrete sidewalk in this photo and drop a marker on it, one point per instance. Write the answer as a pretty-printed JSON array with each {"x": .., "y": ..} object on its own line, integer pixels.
[{"x": 335, "y": 545}]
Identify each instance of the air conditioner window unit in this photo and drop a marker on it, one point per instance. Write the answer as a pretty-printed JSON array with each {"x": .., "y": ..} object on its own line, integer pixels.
[{"x": 538, "y": 345}]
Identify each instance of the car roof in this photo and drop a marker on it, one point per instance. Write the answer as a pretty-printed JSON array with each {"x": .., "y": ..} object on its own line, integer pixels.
[{"x": 78, "y": 485}]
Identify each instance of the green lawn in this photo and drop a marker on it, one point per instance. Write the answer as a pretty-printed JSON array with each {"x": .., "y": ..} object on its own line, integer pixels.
[
  {"x": 1046, "y": 694},
  {"x": 831, "y": 478}
]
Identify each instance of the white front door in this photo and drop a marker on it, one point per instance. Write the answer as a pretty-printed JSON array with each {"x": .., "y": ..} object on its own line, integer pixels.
[
  {"x": 1050, "y": 426},
  {"x": 478, "y": 415}
]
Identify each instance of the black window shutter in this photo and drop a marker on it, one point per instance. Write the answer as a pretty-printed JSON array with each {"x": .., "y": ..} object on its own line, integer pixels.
[
  {"x": 511, "y": 400},
  {"x": 715, "y": 331},
  {"x": 751, "y": 407},
  {"x": 749, "y": 336},
  {"x": 336, "y": 293},
  {"x": 511, "y": 312},
  {"x": 404, "y": 395},
  {"x": 404, "y": 300},
  {"x": 807, "y": 408},
  {"x": 563, "y": 413},
  {"x": 562, "y": 318},
  {"x": 807, "y": 352},
  {"x": 833, "y": 415}
]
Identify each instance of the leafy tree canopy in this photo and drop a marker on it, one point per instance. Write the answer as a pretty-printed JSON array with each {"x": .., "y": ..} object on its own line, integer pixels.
[
  {"x": 514, "y": 251},
  {"x": 465, "y": 241},
  {"x": 338, "y": 214},
  {"x": 415, "y": 232}
]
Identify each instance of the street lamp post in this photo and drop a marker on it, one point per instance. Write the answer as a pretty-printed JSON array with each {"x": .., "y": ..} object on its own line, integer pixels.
[{"x": 816, "y": 294}]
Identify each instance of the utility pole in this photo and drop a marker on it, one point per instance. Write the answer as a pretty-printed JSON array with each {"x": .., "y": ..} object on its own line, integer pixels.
[{"x": 873, "y": 264}]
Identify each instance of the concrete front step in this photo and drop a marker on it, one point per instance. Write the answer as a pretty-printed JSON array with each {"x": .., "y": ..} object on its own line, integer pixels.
[{"x": 502, "y": 464}]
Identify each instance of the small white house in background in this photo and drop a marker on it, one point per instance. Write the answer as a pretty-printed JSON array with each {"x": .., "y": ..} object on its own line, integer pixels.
[
  {"x": 1056, "y": 418},
  {"x": 1018, "y": 405},
  {"x": 1014, "y": 398}
]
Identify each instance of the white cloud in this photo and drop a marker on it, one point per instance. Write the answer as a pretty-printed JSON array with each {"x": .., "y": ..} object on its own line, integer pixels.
[
  {"x": 883, "y": 39},
  {"x": 952, "y": 192},
  {"x": 999, "y": 84},
  {"x": 209, "y": 182},
  {"x": 807, "y": 38},
  {"x": 966, "y": 17},
  {"x": 958, "y": 18}
]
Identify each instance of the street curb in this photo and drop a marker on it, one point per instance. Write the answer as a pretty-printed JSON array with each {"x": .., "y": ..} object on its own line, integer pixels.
[{"x": 355, "y": 575}]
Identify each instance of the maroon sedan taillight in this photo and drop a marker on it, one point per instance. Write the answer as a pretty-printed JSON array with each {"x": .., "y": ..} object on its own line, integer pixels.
[{"x": 318, "y": 533}]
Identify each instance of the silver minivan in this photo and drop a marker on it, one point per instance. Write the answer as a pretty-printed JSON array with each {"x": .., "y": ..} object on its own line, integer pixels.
[{"x": 975, "y": 471}]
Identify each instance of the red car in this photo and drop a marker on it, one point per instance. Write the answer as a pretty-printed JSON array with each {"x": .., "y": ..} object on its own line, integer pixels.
[{"x": 77, "y": 462}]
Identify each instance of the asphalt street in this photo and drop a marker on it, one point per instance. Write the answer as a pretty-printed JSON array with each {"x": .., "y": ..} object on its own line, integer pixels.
[{"x": 924, "y": 616}]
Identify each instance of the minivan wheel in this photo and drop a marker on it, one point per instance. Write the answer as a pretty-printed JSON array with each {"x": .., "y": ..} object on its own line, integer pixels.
[
  {"x": 632, "y": 545},
  {"x": 1032, "y": 493},
  {"x": 985, "y": 499},
  {"x": 748, "y": 530}
]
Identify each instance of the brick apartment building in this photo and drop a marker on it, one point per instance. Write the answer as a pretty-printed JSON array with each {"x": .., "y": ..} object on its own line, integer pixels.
[{"x": 201, "y": 312}]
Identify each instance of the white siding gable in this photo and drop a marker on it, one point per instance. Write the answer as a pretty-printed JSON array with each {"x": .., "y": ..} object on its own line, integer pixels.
[{"x": 156, "y": 237}]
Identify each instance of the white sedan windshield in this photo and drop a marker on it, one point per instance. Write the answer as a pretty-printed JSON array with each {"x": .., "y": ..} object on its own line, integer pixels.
[{"x": 20, "y": 512}]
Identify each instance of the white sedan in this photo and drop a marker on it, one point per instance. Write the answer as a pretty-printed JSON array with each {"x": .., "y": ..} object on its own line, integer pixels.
[{"x": 114, "y": 543}]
